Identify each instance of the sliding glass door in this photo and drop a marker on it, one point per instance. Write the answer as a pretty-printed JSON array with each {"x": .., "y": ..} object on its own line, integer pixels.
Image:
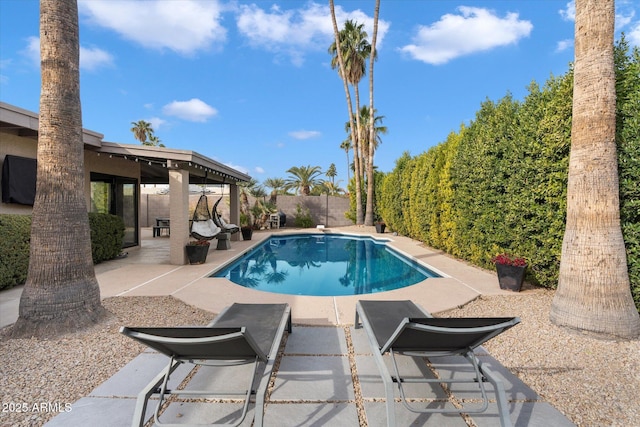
[{"x": 117, "y": 195}]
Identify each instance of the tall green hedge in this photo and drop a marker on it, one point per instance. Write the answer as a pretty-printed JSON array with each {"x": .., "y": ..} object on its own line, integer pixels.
[
  {"x": 107, "y": 233},
  {"x": 499, "y": 184},
  {"x": 14, "y": 249}
]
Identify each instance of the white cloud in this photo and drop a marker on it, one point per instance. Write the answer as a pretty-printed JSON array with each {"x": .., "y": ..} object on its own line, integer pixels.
[
  {"x": 304, "y": 134},
  {"x": 93, "y": 58},
  {"x": 634, "y": 35},
  {"x": 156, "y": 122},
  {"x": 293, "y": 32},
  {"x": 564, "y": 45},
  {"x": 569, "y": 12},
  {"x": 193, "y": 110},
  {"x": 90, "y": 58},
  {"x": 238, "y": 168},
  {"x": 183, "y": 26},
  {"x": 259, "y": 169},
  {"x": 472, "y": 30}
]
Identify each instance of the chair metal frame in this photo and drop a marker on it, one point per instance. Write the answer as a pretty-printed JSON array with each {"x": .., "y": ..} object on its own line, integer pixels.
[
  {"x": 398, "y": 344},
  {"x": 211, "y": 336}
]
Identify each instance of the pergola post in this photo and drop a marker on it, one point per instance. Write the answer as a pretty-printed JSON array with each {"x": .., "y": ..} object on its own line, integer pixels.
[
  {"x": 234, "y": 209},
  {"x": 179, "y": 215}
]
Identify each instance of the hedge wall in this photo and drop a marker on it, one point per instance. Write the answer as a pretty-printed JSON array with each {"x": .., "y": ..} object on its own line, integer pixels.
[
  {"x": 107, "y": 232},
  {"x": 499, "y": 184}
]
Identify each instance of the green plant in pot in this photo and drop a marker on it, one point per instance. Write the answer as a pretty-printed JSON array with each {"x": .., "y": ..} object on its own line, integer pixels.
[
  {"x": 245, "y": 226},
  {"x": 197, "y": 251},
  {"x": 510, "y": 270}
]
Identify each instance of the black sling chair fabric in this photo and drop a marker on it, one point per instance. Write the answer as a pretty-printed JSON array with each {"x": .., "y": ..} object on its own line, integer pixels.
[
  {"x": 403, "y": 327},
  {"x": 217, "y": 219},
  {"x": 202, "y": 224}
]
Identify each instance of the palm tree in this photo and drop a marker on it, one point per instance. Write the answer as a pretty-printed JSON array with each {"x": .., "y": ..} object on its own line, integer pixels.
[
  {"x": 593, "y": 284},
  {"x": 369, "y": 214},
  {"x": 328, "y": 187},
  {"x": 154, "y": 141},
  {"x": 141, "y": 130},
  {"x": 331, "y": 172},
  {"x": 276, "y": 185},
  {"x": 350, "y": 51},
  {"x": 346, "y": 146},
  {"x": 61, "y": 293},
  {"x": 364, "y": 136},
  {"x": 303, "y": 178}
]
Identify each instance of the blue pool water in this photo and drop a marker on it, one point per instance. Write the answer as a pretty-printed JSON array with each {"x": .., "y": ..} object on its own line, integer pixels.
[{"x": 324, "y": 265}]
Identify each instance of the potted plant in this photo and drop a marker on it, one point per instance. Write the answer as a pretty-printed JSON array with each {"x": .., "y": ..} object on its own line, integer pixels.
[
  {"x": 380, "y": 226},
  {"x": 245, "y": 227},
  {"x": 197, "y": 251},
  {"x": 510, "y": 270}
]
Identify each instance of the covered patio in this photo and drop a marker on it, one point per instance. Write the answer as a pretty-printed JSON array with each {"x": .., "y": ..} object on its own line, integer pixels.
[{"x": 179, "y": 169}]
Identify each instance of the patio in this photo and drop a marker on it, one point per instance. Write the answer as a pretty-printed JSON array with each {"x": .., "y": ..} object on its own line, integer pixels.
[{"x": 326, "y": 373}]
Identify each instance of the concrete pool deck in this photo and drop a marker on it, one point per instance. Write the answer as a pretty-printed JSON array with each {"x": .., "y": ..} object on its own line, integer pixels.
[
  {"x": 146, "y": 271},
  {"x": 325, "y": 363},
  {"x": 134, "y": 276}
]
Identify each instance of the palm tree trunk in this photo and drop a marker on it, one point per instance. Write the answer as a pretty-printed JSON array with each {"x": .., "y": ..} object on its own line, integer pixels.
[
  {"x": 61, "y": 293},
  {"x": 354, "y": 139},
  {"x": 593, "y": 286},
  {"x": 368, "y": 219}
]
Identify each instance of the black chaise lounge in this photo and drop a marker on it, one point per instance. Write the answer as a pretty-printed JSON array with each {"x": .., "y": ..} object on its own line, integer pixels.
[
  {"x": 402, "y": 327},
  {"x": 241, "y": 334}
]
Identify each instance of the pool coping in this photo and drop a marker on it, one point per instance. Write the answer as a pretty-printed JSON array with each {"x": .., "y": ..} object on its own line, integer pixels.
[{"x": 462, "y": 282}]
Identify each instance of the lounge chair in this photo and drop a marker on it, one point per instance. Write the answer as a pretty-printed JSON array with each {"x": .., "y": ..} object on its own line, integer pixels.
[
  {"x": 241, "y": 334},
  {"x": 402, "y": 327}
]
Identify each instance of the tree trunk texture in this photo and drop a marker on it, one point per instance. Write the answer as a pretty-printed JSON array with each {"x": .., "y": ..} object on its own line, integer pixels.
[
  {"x": 368, "y": 217},
  {"x": 593, "y": 287},
  {"x": 61, "y": 293}
]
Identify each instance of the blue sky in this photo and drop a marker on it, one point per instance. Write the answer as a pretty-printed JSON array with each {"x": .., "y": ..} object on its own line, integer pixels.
[{"x": 250, "y": 85}]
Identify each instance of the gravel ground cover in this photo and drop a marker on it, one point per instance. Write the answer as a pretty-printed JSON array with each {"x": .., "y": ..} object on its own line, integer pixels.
[{"x": 593, "y": 382}]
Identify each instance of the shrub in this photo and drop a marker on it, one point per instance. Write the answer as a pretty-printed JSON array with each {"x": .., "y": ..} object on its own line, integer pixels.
[
  {"x": 303, "y": 217},
  {"x": 14, "y": 249},
  {"x": 107, "y": 233}
]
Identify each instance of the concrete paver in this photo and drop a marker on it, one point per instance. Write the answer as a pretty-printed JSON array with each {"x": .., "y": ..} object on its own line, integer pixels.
[{"x": 313, "y": 385}]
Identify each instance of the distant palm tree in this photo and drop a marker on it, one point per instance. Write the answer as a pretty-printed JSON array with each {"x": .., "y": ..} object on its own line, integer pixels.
[
  {"x": 141, "y": 130},
  {"x": 276, "y": 185},
  {"x": 346, "y": 146},
  {"x": 365, "y": 120},
  {"x": 154, "y": 141},
  {"x": 328, "y": 187},
  {"x": 303, "y": 178},
  {"x": 331, "y": 172}
]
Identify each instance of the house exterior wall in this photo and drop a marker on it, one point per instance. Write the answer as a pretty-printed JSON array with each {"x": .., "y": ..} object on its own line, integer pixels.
[
  {"x": 110, "y": 166},
  {"x": 15, "y": 145}
]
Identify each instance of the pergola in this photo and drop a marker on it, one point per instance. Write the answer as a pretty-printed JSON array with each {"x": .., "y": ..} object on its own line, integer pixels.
[{"x": 156, "y": 165}]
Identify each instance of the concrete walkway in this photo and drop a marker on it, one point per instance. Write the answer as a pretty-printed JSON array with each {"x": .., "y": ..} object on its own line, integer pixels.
[{"x": 326, "y": 374}]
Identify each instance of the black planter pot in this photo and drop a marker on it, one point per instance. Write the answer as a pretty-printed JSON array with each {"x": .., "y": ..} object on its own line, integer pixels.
[
  {"x": 197, "y": 254},
  {"x": 247, "y": 232},
  {"x": 510, "y": 277},
  {"x": 380, "y": 226}
]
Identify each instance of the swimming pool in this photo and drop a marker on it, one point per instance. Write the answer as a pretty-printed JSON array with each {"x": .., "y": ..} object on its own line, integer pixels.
[{"x": 324, "y": 265}]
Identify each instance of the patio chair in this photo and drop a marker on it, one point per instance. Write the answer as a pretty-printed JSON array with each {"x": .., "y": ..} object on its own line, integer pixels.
[
  {"x": 220, "y": 222},
  {"x": 240, "y": 334},
  {"x": 402, "y": 327}
]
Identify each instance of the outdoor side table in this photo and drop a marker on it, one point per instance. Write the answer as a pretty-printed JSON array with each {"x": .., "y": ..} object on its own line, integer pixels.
[{"x": 223, "y": 241}]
